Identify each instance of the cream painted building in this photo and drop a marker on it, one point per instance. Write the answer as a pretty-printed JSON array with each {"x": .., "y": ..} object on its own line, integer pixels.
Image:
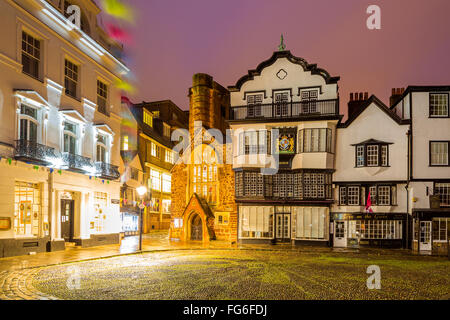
[
  {"x": 283, "y": 119},
  {"x": 371, "y": 157},
  {"x": 60, "y": 132},
  {"x": 428, "y": 166}
]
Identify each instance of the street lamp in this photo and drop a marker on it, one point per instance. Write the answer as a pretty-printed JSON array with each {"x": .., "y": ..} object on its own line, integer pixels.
[{"x": 142, "y": 190}]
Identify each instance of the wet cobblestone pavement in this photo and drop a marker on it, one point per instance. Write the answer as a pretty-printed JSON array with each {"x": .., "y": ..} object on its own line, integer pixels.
[{"x": 263, "y": 273}]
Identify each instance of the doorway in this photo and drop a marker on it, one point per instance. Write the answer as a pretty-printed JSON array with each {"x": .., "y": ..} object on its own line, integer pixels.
[
  {"x": 67, "y": 220},
  {"x": 425, "y": 236},
  {"x": 196, "y": 228},
  {"x": 340, "y": 239},
  {"x": 283, "y": 227}
]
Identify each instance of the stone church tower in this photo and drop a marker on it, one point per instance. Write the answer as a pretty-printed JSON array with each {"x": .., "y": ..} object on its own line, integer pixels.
[{"x": 203, "y": 202}]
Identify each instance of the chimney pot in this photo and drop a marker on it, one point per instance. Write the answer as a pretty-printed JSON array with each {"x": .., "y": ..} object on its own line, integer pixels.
[
  {"x": 360, "y": 96},
  {"x": 366, "y": 95},
  {"x": 351, "y": 96},
  {"x": 393, "y": 91}
]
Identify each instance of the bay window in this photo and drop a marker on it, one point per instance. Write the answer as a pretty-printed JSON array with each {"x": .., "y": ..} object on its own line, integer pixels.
[
  {"x": 254, "y": 142},
  {"x": 314, "y": 140},
  {"x": 372, "y": 153}
]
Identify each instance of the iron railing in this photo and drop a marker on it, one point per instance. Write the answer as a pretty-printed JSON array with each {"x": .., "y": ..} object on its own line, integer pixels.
[
  {"x": 107, "y": 171},
  {"x": 77, "y": 162},
  {"x": 34, "y": 152},
  {"x": 286, "y": 110}
]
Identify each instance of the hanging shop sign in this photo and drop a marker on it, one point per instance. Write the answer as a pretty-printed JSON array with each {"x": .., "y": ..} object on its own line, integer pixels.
[{"x": 115, "y": 201}]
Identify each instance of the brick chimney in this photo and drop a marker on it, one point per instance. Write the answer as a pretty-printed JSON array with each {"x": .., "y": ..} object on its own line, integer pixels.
[
  {"x": 357, "y": 99},
  {"x": 395, "y": 95}
]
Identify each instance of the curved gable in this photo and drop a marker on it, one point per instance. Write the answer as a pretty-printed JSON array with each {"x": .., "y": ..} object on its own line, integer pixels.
[{"x": 284, "y": 54}]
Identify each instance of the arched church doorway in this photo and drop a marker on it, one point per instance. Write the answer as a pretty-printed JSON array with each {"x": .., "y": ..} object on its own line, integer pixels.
[{"x": 196, "y": 228}]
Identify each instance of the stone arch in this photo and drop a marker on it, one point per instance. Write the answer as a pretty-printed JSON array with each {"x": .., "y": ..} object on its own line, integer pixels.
[{"x": 195, "y": 227}]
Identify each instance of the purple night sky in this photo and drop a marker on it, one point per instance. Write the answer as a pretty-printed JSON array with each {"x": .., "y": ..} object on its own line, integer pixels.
[{"x": 173, "y": 39}]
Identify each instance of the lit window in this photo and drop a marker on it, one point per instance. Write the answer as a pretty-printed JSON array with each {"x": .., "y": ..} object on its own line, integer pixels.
[
  {"x": 166, "y": 129},
  {"x": 166, "y": 183},
  {"x": 27, "y": 212},
  {"x": 169, "y": 156},
  {"x": 155, "y": 150},
  {"x": 439, "y": 153},
  {"x": 148, "y": 118},
  {"x": 155, "y": 180},
  {"x": 71, "y": 78},
  {"x": 31, "y": 55},
  {"x": 100, "y": 211},
  {"x": 125, "y": 143}
]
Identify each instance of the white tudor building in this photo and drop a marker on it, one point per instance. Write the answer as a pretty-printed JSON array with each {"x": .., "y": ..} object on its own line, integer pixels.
[
  {"x": 288, "y": 110},
  {"x": 60, "y": 132},
  {"x": 428, "y": 166},
  {"x": 371, "y": 156}
]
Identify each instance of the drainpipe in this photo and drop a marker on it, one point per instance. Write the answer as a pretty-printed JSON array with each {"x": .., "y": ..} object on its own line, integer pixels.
[
  {"x": 50, "y": 206},
  {"x": 408, "y": 135}
]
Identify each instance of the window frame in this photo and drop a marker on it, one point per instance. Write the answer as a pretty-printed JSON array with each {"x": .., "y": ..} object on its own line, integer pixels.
[
  {"x": 28, "y": 119},
  {"x": 429, "y": 153},
  {"x": 364, "y": 191},
  {"x": 430, "y": 115},
  {"x": 76, "y": 71},
  {"x": 72, "y": 134},
  {"x": 102, "y": 87},
  {"x": 302, "y": 133},
  {"x": 33, "y": 57},
  {"x": 380, "y": 162}
]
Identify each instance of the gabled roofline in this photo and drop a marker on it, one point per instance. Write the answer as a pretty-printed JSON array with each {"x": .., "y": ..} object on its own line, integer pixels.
[
  {"x": 283, "y": 54},
  {"x": 410, "y": 89},
  {"x": 380, "y": 105}
]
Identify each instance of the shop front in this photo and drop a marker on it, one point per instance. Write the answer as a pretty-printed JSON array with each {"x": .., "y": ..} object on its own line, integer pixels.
[
  {"x": 431, "y": 230},
  {"x": 354, "y": 230},
  {"x": 278, "y": 224}
]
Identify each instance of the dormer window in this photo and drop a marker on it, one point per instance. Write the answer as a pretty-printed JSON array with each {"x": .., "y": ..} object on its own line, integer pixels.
[{"x": 372, "y": 153}]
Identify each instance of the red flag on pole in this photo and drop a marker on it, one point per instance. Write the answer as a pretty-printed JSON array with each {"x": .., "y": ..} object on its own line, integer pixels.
[{"x": 369, "y": 204}]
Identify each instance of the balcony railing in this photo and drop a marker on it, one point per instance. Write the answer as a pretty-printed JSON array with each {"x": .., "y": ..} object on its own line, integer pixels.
[
  {"x": 107, "y": 171},
  {"x": 34, "y": 152},
  {"x": 285, "y": 110},
  {"x": 78, "y": 163}
]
